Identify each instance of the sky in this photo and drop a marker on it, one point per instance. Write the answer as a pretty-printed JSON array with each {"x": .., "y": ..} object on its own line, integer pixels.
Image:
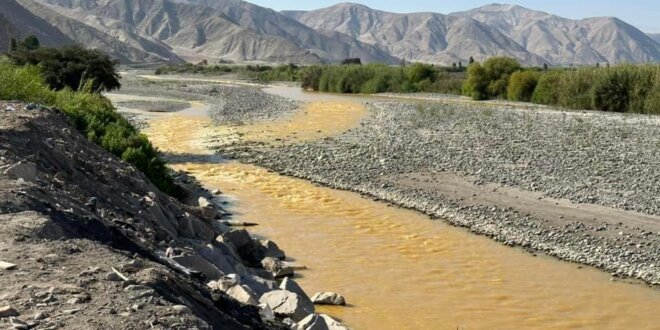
[{"x": 644, "y": 14}]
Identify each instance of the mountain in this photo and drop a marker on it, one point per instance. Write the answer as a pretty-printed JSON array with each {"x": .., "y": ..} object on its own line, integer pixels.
[
  {"x": 654, "y": 36},
  {"x": 424, "y": 37},
  {"x": 17, "y": 22},
  {"x": 531, "y": 36},
  {"x": 565, "y": 41}
]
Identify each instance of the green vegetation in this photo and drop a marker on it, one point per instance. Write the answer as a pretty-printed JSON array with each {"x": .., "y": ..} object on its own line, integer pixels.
[
  {"x": 490, "y": 80},
  {"x": 265, "y": 73},
  {"x": 623, "y": 88},
  {"x": 93, "y": 115},
  {"x": 380, "y": 78},
  {"x": 522, "y": 85},
  {"x": 69, "y": 67}
]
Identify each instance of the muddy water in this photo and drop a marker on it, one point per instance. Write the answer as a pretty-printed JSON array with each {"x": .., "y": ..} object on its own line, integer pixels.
[{"x": 397, "y": 268}]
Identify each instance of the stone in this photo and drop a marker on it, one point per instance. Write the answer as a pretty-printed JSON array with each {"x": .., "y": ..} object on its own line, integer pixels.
[
  {"x": 291, "y": 285},
  {"x": 243, "y": 294},
  {"x": 272, "y": 250},
  {"x": 112, "y": 277},
  {"x": 227, "y": 281},
  {"x": 18, "y": 324},
  {"x": 258, "y": 285},
  {"x": 181, "y": 309},
  {"x": 199, "y": 264},
  {"x": 215, "y": 256},
  {"x": 216, "y": 192},
  {"x": 319, "y": 322},
  {"x": 208, "y": 209},
  {"x": 7, "y": 265},
  {"x": 25, "y": 171},
  {"x": 7, "y": 311},
  {"x": 237, "y": 237},
  {"x": 328, "y": 298},
  {"x": 266, "y": 313},
  {"x": 286, "y": 304},
  {"x": 39, "y": 316},
  {"x": 275, "y": 267}
]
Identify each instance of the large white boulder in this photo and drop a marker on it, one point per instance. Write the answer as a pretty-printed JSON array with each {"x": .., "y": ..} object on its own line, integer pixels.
[
  {"x": 287, "y": 304},
  {"x": 243, "y": 294}
]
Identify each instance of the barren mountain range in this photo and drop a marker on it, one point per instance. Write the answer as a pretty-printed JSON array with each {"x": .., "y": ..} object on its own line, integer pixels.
[{"x": 234, "y": 30}]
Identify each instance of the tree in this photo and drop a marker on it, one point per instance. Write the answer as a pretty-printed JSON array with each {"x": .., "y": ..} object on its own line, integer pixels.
[
  {"x": 13, "y": 45},
  {"x": 31, "y": 42},
  {"x": 522, "y": 85},
  {"x": 491, "y": 79},
  {"x": 352, "y": 61},
  {"x": 471, "y": 59},
  {"x": 545, "y": 66},
  {"x": 71, "y": 67}
]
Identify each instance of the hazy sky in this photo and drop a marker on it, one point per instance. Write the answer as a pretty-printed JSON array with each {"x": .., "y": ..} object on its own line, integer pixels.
[{"x": 644, "y": 14}]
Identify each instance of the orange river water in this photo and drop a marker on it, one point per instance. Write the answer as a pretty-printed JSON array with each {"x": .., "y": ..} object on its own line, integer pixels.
[{"x": 397, "y": 268}]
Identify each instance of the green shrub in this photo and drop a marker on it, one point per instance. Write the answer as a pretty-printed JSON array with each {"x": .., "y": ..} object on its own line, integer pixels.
[
  {"x": 611, "y": 90},
  {"x": 522, "y": 85},
  {"x": 491, "y": 79},
  {"x": 547, "y": 89}
]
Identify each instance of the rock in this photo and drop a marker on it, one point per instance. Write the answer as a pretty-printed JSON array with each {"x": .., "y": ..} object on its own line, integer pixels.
[
  {"x": 286, "y": 304},
  {"x": 209, "y": 211},
  {"x": 258, "y": 285},
  {"x": 272, "y": 250},
  {"x": 199, "y": 264},
  {"x": 7, "y": 265},
  {"x": 291, "y": 285},
  {"x": 216, "y": 192},
  {"x": 243, "y": 294},
  {"x": 227, "y": 281},
  {"x": 237, "y": 237},
  {"x": 181, "y": 310},
  {"x": 112, "y": 277},
  {"x": 266, "y": 313},
  {"x": 276, "y": 268},
  {"x": 132, "y": 267},
  {"x": 25, "y": 171},
  {"x": 320, "y": 322},
  {"x": 328, "y": 298},
  {"x": 236, "y": 223},
  {"x": 18, "y": 324},
  {"x": 217, "y": 258},
  {"x": 7, "y": 311},
  {"x": 39, "y": 316}
]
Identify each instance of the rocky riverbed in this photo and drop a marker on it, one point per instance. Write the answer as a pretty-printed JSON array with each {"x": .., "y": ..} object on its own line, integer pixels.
[{"x": 580, "y": 186}]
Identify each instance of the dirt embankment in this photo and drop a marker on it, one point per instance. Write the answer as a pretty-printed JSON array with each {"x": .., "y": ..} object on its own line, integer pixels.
[{"x": 86, "y": 242}]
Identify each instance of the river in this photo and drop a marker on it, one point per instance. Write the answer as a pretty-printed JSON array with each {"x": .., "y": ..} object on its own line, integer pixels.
[{"x": 398, "y": 269}]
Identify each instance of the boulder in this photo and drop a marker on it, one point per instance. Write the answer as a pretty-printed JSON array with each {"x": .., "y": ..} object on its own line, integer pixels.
[
  {"x": 199, "y": 264},
  {"x": 237, "y": 237},
  {"x": 320, "y": 322},
  {"x": 328, "y": 298},
  {"x": 217, "y": 258},
  {"x": 225, "y": 282},
  {"x": 258, "y": 285},
  {"x": 276, "y": 267},
  {"x": 272, "y": 250},
  {"x": 266, "y": 313},
  {"x": 286, "y": 304},
  {"x": 209, "y": 212},
  {"x": 291, "y": 285},
  {"x": 25, "y": 171},
  {"x": 243, "y": 294}
]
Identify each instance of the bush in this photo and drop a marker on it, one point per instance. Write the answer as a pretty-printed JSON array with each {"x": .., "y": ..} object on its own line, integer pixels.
[
  {"x": 611, "y": 91},
  {"x": 71, "y": 67},
  {"x": 491, "y": 79},
  {"x": 93, "y": 115},
  {"x": 522, "y": 85},
  {"x": 547, "y": 89}
]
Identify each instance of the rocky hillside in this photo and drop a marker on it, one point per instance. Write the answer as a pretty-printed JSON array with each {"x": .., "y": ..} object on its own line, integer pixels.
[
  {"x": 566, "y": 41},
  {"x": 18, "y": 22},
  {"x": 654, "y": 36},
  {"x": 88, "y": 243},
  {"x": 528, "y": 35}
]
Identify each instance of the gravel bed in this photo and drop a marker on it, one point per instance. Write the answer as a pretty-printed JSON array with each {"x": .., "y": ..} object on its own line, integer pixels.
[{"x": 596, "y": 159}]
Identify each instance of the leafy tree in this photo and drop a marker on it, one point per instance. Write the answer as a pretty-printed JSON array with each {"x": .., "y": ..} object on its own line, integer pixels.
[
  {"x": 71, "y": 67},
  {"x": 471, "y": 59},
  {"x": 13, "y": 45},
  {"x": 491, "y": 79},
  {"x": 522, "y": 85},
  {"x": 31, "y": 42}
]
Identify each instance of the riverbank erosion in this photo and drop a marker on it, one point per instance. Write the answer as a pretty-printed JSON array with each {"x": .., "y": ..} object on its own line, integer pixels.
[
  {"x": 89, "y": 243},
  {"x": 583, "y": 187}
]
